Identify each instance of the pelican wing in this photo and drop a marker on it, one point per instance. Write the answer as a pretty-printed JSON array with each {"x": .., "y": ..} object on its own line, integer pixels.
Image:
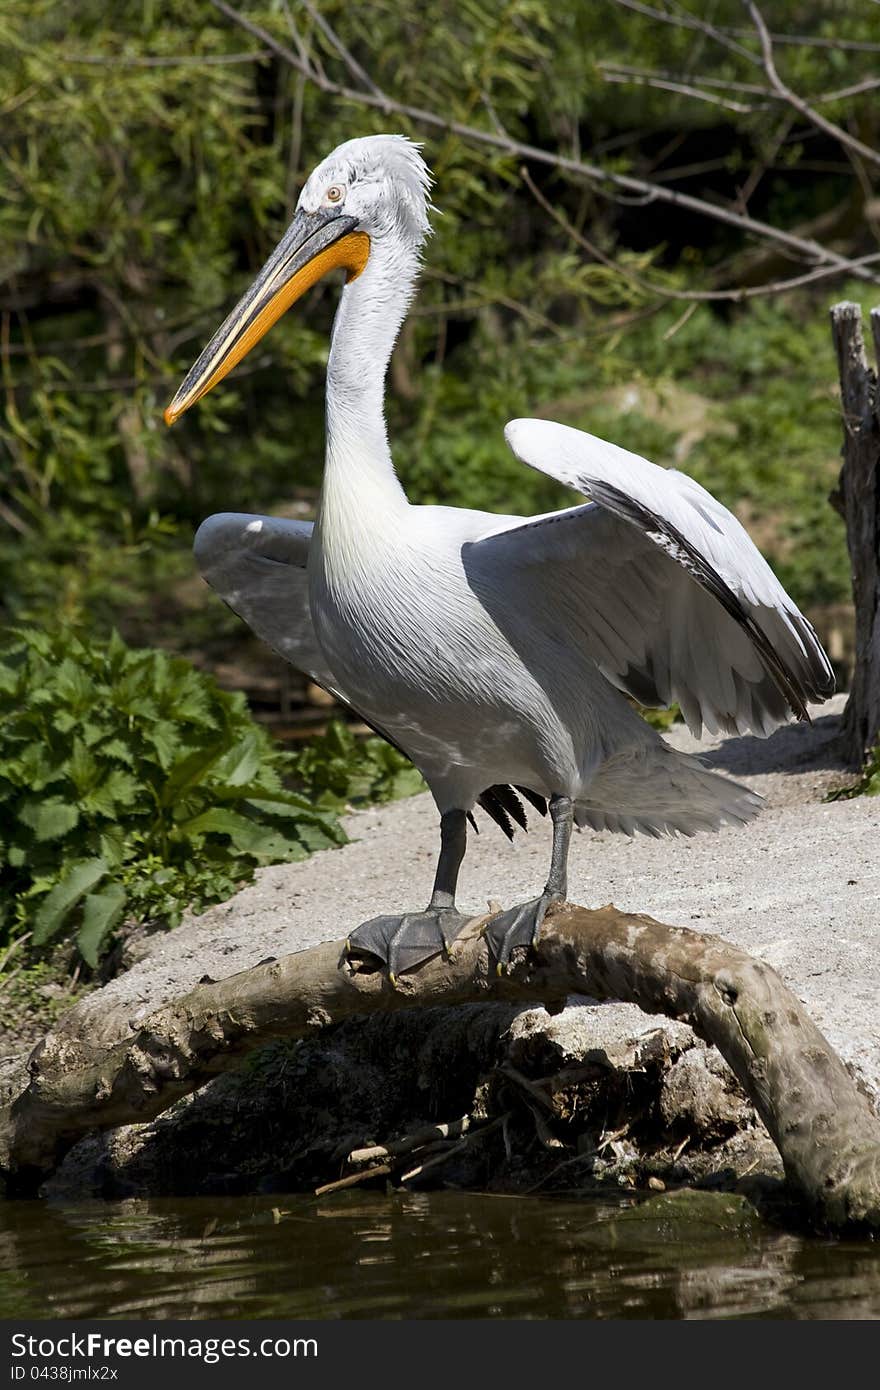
[
  {"x": 672, "y": 598},
  {"x": 257, "y": 564}
]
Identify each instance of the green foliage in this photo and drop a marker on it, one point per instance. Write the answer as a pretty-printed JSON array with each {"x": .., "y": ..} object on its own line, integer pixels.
[
  {"x": 339, "y": 770},
  {"x": 152, "y": 155},
  {"x": 131, "y": 785},
  {"x": 34, "y": 994},
  {"x": 868, "y": 783},
  {"x": 746, "y": 404}
]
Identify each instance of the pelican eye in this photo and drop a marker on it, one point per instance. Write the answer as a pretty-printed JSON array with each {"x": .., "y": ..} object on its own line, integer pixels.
[{"x": 335, "y": 193}]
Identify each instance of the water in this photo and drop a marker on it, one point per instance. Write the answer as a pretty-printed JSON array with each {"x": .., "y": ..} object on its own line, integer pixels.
[{"x": 447, "y": 1254}]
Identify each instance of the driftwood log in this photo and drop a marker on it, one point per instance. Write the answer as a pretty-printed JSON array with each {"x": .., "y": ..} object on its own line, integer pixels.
[
  {"x": 827, "y": 1134},
  {"x": 857, "y": 498}
]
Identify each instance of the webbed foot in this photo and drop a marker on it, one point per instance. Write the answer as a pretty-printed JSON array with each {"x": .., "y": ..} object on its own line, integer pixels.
[
  {"x": 518, "y": 926},
  {"x": 403, "y": 942}
]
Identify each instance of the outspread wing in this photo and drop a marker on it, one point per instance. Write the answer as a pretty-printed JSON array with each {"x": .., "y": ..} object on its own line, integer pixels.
[
  {"x": 257, "y": 564},
  {"x": 672, "y": 598}
]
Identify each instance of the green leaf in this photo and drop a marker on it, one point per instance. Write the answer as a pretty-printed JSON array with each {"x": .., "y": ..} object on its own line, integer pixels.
[
  {"x": 118, "y": 789},
  {"x": 245, "y": 834},
  {"x": 64, "y": 897},
  {"x": 242, "y": 763},
  {"x": 187, "y": 772},
  {"x": 117, "y": 750},
  {"x": 165, "y": 740},
  {"x": 101, "y": 913},
  {"x": 316, "y": 837},
  {"x": 274, "y": 847},
  {"x": 49, "y": 817}
]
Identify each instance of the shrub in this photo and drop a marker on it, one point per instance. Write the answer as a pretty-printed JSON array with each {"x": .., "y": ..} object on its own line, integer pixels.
[
  {"x": 338, "y": 770},
  {"x": 131, "y": 785}
]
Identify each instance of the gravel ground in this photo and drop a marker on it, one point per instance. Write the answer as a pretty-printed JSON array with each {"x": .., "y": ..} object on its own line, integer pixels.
[{"x": 799, "y": 887}]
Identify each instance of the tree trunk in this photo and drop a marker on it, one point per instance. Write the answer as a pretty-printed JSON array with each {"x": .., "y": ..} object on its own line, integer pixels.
[
  {"x": 858, "y": 500},
  {"x": 825, "y": 1130}
]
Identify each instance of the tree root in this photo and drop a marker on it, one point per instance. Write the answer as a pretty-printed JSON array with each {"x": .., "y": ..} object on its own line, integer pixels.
[{"x": 825, "y": 1130}]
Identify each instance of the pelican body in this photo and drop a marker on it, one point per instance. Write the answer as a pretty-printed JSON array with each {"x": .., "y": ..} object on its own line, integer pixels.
[{"x": 497, "y": 651}]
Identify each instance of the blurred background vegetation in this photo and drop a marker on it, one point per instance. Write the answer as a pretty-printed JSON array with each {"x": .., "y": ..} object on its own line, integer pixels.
[{"x": 152, "y": 154}]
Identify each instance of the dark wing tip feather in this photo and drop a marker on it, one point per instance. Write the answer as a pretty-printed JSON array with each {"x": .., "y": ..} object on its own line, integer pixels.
[
  {"x": 539, "y": 802},
  {"x": 679, "y": 548},
  {"x": 493, "y": 808},
  {"x": 504, "y": 806},
  {"x": 822, "y": 682}
]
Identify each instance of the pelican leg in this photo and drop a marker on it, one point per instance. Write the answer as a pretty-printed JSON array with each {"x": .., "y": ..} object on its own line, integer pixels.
[
  {"x": 520, "y": 926},
  {"x": 404, "y": 941}
]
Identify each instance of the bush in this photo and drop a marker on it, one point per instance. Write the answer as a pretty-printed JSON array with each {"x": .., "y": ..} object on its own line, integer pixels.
[
  {"x": 339, "y": 770},
  {"x": 131, "y": 785}
]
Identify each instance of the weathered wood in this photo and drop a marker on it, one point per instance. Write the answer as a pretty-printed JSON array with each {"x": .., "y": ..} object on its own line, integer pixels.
[
  {"x": 858, "y": 500},
  {"x": 826, "y": 1132}
]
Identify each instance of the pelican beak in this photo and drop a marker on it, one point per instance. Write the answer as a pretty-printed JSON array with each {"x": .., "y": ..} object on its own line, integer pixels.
[{"x": 314, "y": 243}]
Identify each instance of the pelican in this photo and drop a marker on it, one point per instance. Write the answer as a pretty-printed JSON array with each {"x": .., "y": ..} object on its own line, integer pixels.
[{"x": 497, "y": 651}]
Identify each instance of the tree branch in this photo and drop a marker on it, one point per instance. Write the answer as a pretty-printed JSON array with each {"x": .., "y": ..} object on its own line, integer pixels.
[
  {"x": 631, "y": 77},
  {"x": 785, "y": 93},
  {"x": 826, "y": 1132},
  {"x": 147, "y": 60},
  {"x": 689, "y": 21},
  {"x": 804, "y": 249},
  {"x": 347, "y": 57},
  {"x": 734, "y": 296}
]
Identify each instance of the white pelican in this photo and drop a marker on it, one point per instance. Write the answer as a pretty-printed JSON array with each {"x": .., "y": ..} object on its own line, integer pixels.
[{"x": 497, "y": 651}]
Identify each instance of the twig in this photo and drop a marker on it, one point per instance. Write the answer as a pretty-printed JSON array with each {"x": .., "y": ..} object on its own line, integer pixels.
[
  {"x": 525, "y": 1084},
  {"x": 729, "y": 84},
  {"x": 17, "y": 523},
  {"x": 11, "y": 949},
  {"x": 816, "y": 41},
  {"x": 664, "y": 84},
  {"x": 453, "y": 1149},
  {"x": 408, "y": 1142},
  {"x": 680, "y": 322},
  {"x": 347, "y": 57},
  {"x": 803, "y": 107},
  {"x": 804, "y": 249},
  {"x": 147, "y": 60},
  {"x": 734, "y": 296},
  {"x": 689, "y": 21},
  {"x": 612, "y": 1137},
  {"x": 725, "y": 36},
  {"x": 310, "y": 60},
  {"x": 352, "y": 1180}
]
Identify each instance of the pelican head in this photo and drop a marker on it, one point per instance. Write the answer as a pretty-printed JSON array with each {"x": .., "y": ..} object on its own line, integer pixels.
[{"x": 368, "y": 199}]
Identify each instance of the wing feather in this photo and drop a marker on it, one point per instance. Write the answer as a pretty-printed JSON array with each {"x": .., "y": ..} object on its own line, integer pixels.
[
  {"x": 257, "y": 565},
  {"x": 673, "y": 598}
]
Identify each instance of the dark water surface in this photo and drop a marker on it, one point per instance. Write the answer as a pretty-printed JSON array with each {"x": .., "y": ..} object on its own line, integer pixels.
[{"x": 444, "y": 1254}]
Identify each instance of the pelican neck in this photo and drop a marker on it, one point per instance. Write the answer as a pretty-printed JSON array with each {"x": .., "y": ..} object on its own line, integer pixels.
[{"x": 359, "y": 474}]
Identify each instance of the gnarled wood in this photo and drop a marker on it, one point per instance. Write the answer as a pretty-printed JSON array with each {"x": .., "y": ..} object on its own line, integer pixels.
[
  {"x": 826, "y": 1132},
  {"x": 858, "y": 500}
]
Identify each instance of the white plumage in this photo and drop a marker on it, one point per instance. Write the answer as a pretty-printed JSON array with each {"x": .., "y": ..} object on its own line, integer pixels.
[{"x": 496, "y": 650}]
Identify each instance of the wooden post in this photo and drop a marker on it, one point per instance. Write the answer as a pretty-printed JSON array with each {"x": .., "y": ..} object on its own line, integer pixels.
[{"x": 858, "y": 500}]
